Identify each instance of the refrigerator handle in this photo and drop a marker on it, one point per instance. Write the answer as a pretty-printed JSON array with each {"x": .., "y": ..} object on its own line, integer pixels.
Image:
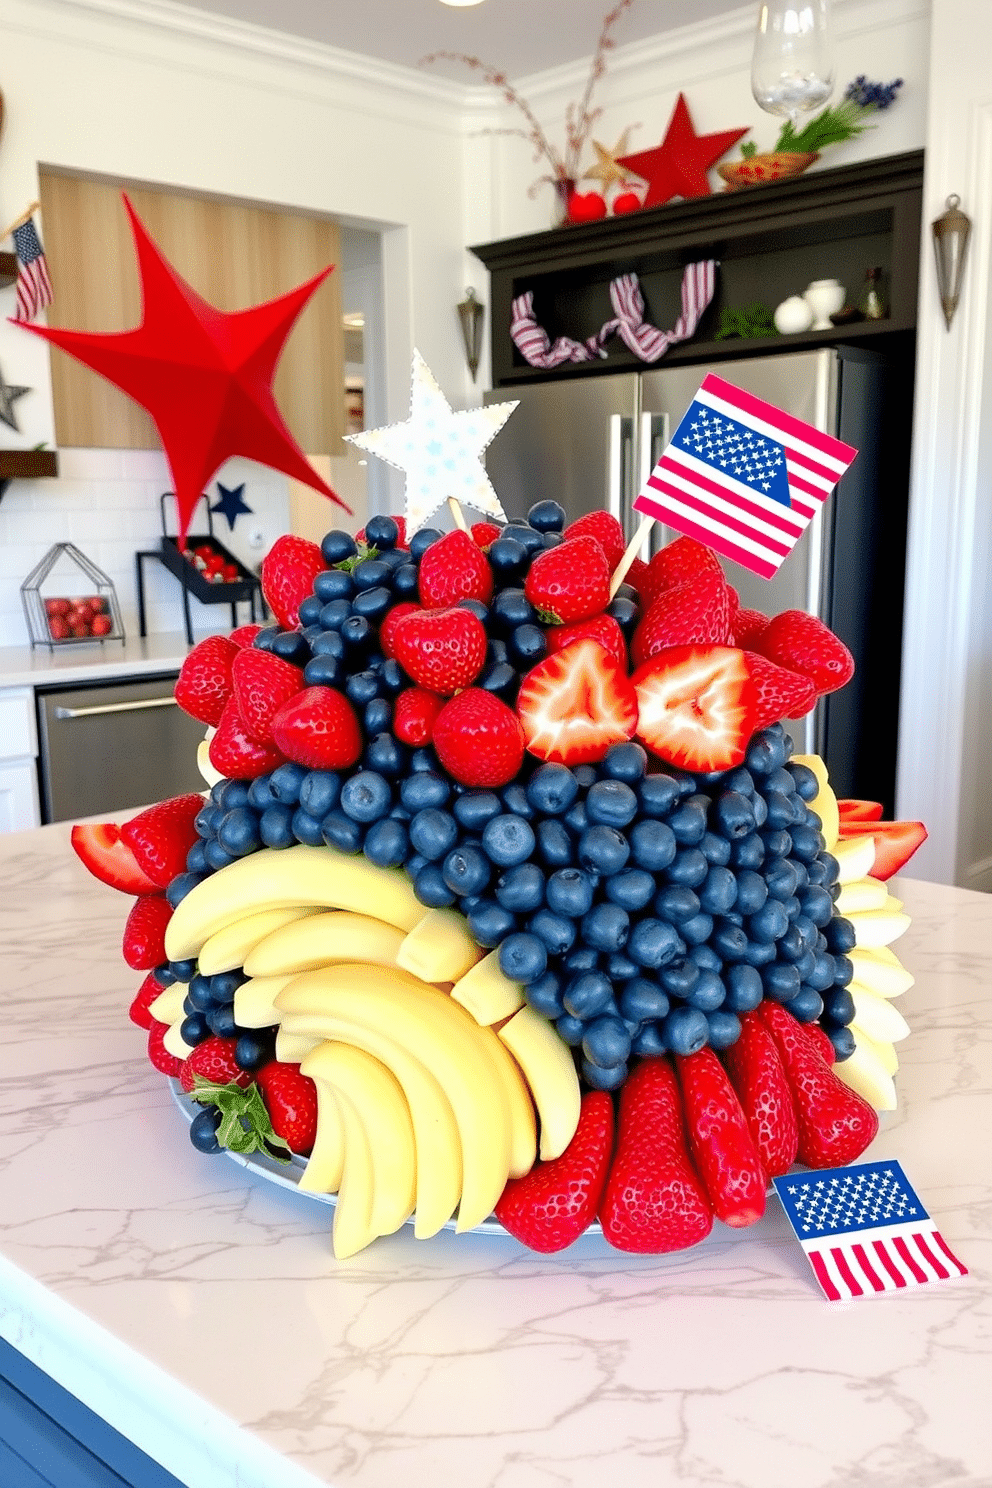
[
  {"x": 620, "y": 469},
  {"x": 651, "y": 446}
]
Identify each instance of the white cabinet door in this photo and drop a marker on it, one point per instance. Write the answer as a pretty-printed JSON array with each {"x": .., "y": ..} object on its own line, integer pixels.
[{"x": 19, "y": 795}]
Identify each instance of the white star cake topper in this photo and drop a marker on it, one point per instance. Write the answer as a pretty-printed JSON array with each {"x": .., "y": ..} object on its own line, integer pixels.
[{"x": 440, "y": 450}]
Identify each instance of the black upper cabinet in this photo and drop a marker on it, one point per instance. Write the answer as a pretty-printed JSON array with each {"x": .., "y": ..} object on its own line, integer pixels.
[{"x": 770, "y": 242}]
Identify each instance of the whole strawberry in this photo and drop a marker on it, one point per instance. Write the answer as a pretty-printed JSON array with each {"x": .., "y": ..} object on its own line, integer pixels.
[
  {"x": 604, "y": 527},
  {"x": 291, "y": 1100},
  {"x": 318, "y": 728},
  {"x": 204, "y": 683},
  {"x": 414, "y": 715},
  {"x": 387, "y": 629},
  {"x": 144, "y": 932},
  {"x": 748, "y": 626},
  {"x": 759, "y": 1079},
  {"x": 262, "y": 683},
  {"x": 484, "y": 533},
  {"x": 835, "y": 1123},
  {"x": 213, "y": 1060},
  {"x": 676, "y": 564},
  {"x": 479, "y": 739},
  {"x": 778, "y": 693},
  {"x": 244, "y": 635},
  {"x": 601, "y": 628},
  {"x": 452, "y": 569},
  {"x": 557, "y": 1201},
  {"x": 697, "y": 612},
  {"x": 804, "y": 644},
  {"x": 149, "y": 991},
  {"x": 442, "y": 650},
  {"x": 235, "y": 754},
  {"x": 161, "y": 837},
  {"x": 569, "y": 582},
  {"x": 159, "y": 1055},
  {"x": 653, "y": 1202},
  {"x": 288, "y": 571},
  {"x": 721, "y": 1145}
]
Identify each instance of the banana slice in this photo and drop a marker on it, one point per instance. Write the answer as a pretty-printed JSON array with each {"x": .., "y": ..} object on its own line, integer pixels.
[
  {"x": 855, "y": 856},
  {"x": 174, "y": 1043},
  {"x": 487, "y": 992},
  {"x": 880, "y": 970},
  {"x": 874, "y": 927},
  {"x": 230, "y": 948},
  {"x": 440, "y": 948},
  {"x": 549, "y": 1070},
  {"x": 861, "y": 894},
  {"x": 168, "y": 1006},
  {"x": 824, "y": 803},
  {"x": 323, "y": 939},
  {"x": 865, "y": 1072},
  {"x": 255, "y": 1001},
  {"x": 877, "y": 1016},
  {"x": 325, "y": 1164}
]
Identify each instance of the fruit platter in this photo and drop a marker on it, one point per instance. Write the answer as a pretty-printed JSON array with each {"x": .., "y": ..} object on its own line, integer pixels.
[{"x": 509, "y": 896}]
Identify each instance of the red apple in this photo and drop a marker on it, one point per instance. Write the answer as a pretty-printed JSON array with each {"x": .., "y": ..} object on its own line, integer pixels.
[
  {"x": 56, "y": 607},
  {"x": 101, "y": 625},
  {"x": 586, "y": 206},
  {"x": 627, "y": 201},
  {"x": 58, "y": 627}
]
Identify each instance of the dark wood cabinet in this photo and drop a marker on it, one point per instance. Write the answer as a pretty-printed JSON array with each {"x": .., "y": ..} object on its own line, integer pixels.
[{"x": 770, "y": 242}]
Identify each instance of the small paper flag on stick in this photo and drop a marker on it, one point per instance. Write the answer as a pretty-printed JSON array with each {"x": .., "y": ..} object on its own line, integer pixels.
[
  {"x": 865, "y": 1231},
  {"x": 742, "y": 476}
]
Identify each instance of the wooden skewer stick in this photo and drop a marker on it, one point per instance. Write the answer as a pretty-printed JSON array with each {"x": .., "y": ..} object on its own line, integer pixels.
[
  {"x": 630, "y": 553},
  {"x": 20, "y": 221},
  {"x": 457, "y": 513}
]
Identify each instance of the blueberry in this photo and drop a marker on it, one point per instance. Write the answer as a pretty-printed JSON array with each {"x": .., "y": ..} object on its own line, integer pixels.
[
  {"x": 475, "y": 607},
  {"x": 265, "y": 637},
  {"x": 552, "y": 789},
  {"x": 224, "y": 985},
  {"x": 307, "y": 829},
  {"x": 490, "y": 923},
  {"x": 652, "y": 844},
  {"x": 290, "y": 646},
  {"x": 221, "y": 1022},
  {"x": 838, "y": 1006},
  {"x": 806, "y": 843},
  {"x": 718, "y": 894},
  {"x": 626, "y": 612},
  {"x": 320, "y": 791},
  {"x": 776, "y": 844},
  {"x": 632, "y": 889},
  {"x": 405, "y": 582},
  {"x": 422, "y": 540},
  {"x": 807, "y": 785},
  {"x": 658, "y": 795},
  {"x": 527, "y": 536},
  {"x": 570, "y": 893},
  {"x": 253, "y": 1049},
  {"x": 732, "y": 815},
  {"x": 556, "y": 932},
  {"x": 231, "y": 795},
  {"x": 821, "y": 978},
  {"x": 521, "y": 889},
  {"x": 697, "y": 930},
  {"x": 508, "y": 840},
  {"x": 603, "y": 849},
  {"x": 334, "y": 583},
  {"x": 372, "y": 604},
  {"x": 357, "y": 634},
  {"x": 841, "y": 936},
  {"x": 606, "y": 927},
  {"x": 201, "y": 996},
  {"x": 338, "y": 547},
  {"x": 544, "y": 995},
  {"x": 780, "y": 981},
  {"x": 688, "y": 868},
  {"x": 611, "y": 803},
  {"x": 620, "y": 968},
  {"x": 466, "y": 870},
  {"x": 508, "y": 560},
  {"x": 366, "y": 797},
  {"x": 571, "y": 1030},
  {"x": 475, "y": 809},
  {"x": 418, "y": 792},
  {"x": 431, "y": 889},
  {"x": 323, "y": 671},
  {"x": 522, "y": 957},
  {"x": 576, "y": 818},
  {"x": 587, "y": 994},
  {"x": 581, "y": 958},
  {"x": 770, "y": 923},
  {"x": 218, "y": 857},
  {"x": 343, "y": 832},
  {"x": 606, "y": 1042},
  {"x": 203, "y": 1130},
  {"x": 555, "y": 847},
  {"x": 194, "y": 1029},
  {"x": 652, "y": 943},
  {"x": 709, "y": 993},
  {"x": 207, "y": 817},
  {"x": 650, "y": 1041},
  {"x": 730, "y": 941},
  {"x": 725, "y": 1028},
  {"x": 832, "y": 867},
  {"x": 175, "y": 971},
  {"x": 386, "y": 843},
  {"x": 546, "y": 516},
  {"x": 433, "y": 833},
  {"x": 510, "y": 608},
  {"x": 642, "y": 1000},
  {"x": 688, "y": 821},
  {"x": 626, "y": 762},
  {"x": 807, "y": 1005},
  {"x": 196, "y": 858},
  {"x": 765, "y": 753},
  {"x": 816, "y": 903},
  {"x": 515, "y": 799},
  {"x": 382, "y": 533},
  {"x": 500, "y": 678},
  {"x": 392, "y": 678},
  {"x": 333, "y": 616},
  {"x": 744, "y": 988},
  {"x": 362, "y": 688},
  {"x": 843, "y": 971},
  {"x": 685, "y": 1030},
  {"x": 286, "y": 782},
  {"x": 843, "y": 1041}
]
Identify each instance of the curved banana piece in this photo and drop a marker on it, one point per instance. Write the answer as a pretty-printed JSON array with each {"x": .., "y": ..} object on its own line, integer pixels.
[
  {"x": 203, "y": 762},
  {"x": 881, "y": 971},
  {"x": 878, "y": 927},
  {"x": 439, "y": 1151},
  {"x": 824, "y": 803},
  {"x": 487, "y": 993},
  {"x": 174, "y": 1043},
  {"x": 861, "y": 894},
  {"x": 549, "y": 1070},
  {"x": 281, "y": 878},
  {"x": 855, "y": 857},
  {"x": 444, "y": 1038},
  {"x": 321, "y": 940},
  {"x": 255, "y": 1001},
  {"x": 352, "y": 1229},
  {"x": 293, "y": 1048},
  {"x": 865, "y": 1071},
  {"x": 168, "y": 1006},
  {"x": 523, "y": 1117},
  {"x": 230, "y": 947},
  {"x": 325, "y": 1165},
  {"x": 381, "y": 1107},
  {"x": 878, "y": 1018},
  {"x": 440, "y": 948}
]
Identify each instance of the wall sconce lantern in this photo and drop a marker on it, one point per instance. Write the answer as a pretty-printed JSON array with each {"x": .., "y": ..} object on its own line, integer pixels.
[
  {"x": 951, "y": 231},
  {"x": 471, "y": 312}
]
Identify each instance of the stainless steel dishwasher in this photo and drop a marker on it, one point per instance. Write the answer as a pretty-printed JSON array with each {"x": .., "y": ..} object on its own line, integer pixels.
[{"x": 105, "y": 747}]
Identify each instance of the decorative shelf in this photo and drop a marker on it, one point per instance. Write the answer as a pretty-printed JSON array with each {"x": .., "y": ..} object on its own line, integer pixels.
[
  {"x": 770, "y": 242},
  {"x": 26, "y": 465},
  {"x": 8, "y": 269}
]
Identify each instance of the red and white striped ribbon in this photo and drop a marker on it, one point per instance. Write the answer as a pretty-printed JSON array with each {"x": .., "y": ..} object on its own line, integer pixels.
[{"x": 646, "y": 341}]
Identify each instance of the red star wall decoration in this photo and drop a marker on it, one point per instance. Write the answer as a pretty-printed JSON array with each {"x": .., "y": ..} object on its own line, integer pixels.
[
  {"x": 204, "y": 375},
  {"x": 678, "y": 166}
]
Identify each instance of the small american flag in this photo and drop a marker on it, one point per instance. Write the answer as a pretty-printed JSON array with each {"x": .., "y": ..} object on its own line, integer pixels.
[
  {"x": 34, "y": 288},
  {"x": 865, "y": 1231},
  {"x": 743, "y": 477}
]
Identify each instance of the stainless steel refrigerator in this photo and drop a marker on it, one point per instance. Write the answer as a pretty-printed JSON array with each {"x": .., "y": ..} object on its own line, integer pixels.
[{"x": 590, "y": 441}]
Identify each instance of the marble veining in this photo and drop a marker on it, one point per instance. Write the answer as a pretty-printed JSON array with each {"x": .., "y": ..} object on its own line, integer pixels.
[{"x": 200, "y": 1310}]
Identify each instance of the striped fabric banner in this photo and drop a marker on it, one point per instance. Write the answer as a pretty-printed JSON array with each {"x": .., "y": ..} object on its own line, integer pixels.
[
  {"x": 646, "y": 341},
  {"x": 743, "y": 476},
  {"x": 865, "y": 1231}
]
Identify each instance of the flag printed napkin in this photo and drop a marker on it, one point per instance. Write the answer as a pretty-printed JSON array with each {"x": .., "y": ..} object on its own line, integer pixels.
[
  {"x": 743, "y": 476},
  {"x": 865, "y": 1231}
]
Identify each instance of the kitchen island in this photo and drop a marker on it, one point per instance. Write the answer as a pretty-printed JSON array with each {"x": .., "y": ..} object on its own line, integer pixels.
[{"x": 198, "y": 1309}]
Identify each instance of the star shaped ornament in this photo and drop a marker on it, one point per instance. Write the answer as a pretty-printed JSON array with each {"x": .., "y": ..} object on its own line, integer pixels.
[
  {"x": 608, "y": 170},
  {"x": 231, "y": 504},
  {"x": 679, "y": 165},
  {"x": 440, "y": 450},
  {"x": 8, "y": 392},
  {"x": 204, "y": 375}
]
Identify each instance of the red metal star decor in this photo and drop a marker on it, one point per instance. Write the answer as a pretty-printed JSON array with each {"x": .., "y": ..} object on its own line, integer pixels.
[
  {"x": 678, "y": 166},
  {"x": 204, "y": 375}
]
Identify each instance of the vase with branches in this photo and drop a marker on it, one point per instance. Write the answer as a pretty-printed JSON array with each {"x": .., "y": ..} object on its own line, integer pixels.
[{"x": 562, "y": 163}]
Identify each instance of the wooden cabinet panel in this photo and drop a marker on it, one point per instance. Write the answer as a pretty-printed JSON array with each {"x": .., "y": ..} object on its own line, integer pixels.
[{"x": 234, "y": 254}]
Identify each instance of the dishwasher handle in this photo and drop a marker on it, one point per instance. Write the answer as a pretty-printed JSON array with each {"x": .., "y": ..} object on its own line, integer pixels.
[{"x": 138, "y": 706}]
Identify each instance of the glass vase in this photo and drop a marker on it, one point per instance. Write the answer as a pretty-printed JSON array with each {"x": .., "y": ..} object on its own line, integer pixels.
[{"x": 792, "y": 67}]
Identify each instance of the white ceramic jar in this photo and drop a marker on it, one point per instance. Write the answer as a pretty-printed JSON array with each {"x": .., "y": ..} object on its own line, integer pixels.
[
  {"x": 793, "y": 316},
  {"x": 824, "y": 298}
]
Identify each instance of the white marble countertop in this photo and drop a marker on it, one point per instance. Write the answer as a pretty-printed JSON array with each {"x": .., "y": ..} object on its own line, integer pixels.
[
  {"x": 200, "y": 1311},
  {"x": 20, "y": 666}
]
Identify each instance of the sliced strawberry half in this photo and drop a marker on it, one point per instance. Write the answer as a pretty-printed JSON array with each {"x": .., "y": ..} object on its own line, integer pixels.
[
  {"x": 895, "y": 842},
  {"x": 696, "y": 706},
  {"x": 859, "y": 811},
  {"x": 575, "y": 704},
  {"x": 99, "y": 847},
  {"x": 161, "y": 836}
]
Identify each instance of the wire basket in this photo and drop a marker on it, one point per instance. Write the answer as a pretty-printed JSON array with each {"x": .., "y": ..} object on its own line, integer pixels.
[{"x": 68, "y": 601}]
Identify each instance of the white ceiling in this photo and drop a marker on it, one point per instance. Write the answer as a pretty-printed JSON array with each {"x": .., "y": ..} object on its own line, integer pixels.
[{"x": 517, "y": 36}]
